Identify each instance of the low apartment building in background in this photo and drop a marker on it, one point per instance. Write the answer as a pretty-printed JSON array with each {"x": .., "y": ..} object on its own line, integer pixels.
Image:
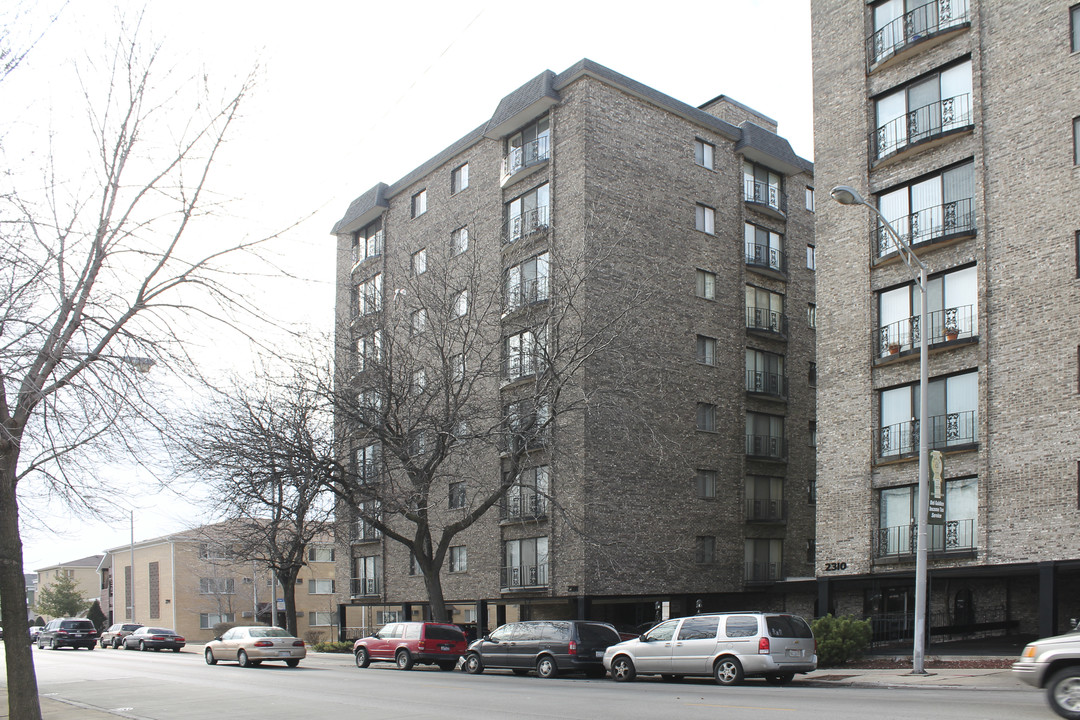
[
  {"x": 83, "y": 571},
  {"x": 188, "y": 582}
]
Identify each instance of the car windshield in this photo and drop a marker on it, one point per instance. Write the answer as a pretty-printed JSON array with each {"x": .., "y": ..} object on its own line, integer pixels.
[
  {"x": 597, "y": 634},
  {"x": 159, "y": 631},
  {"x": 444, "y": 632},
  {"x": 260, "y": 632},
  {"x": 788, "y": 626},
  {"x": 76, "y": 625}
]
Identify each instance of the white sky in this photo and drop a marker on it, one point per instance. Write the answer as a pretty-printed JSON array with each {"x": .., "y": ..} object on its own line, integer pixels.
[{"x": 355, "y": 93}]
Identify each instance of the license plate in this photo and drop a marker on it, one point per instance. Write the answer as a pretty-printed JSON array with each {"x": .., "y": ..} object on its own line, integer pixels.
[
  {"x": 794, "y": 653},
  {"x": 599, "y": 653},
  {"x": 288, "y": 653}
]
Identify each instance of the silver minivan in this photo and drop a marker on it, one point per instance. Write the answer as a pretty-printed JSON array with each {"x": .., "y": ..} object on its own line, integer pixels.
[{"x": 727, "y": 646}]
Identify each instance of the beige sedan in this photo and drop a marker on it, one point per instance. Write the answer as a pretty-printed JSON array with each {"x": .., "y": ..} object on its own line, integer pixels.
[{"x": 251, "y": 645}]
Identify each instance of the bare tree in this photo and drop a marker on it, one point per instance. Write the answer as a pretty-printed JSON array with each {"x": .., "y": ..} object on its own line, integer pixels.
[
  {"x": 94, "y": 274},
  {"x": 264, "y": 454},
  {"x": 460, "y": 378}
]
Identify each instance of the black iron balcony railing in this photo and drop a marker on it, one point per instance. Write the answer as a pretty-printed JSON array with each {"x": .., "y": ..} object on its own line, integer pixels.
[
  {"x": 762, "y": 193},
  {"x": 949, "y": 430},
  {"x": 767, "y": 383},
  {"x": 945, "y": 325},
  {"x": 954, "y": 535},
  {"x": 523, "y": 505},
  {"x": 521, "y": 577},
  {"x": 764, "y": 256},
  {"x": 910, "y": 28},
  {"x": 364, "y": 586},
  {"x": 766, "y": 510},
  {"x": 529, "y": 292},
  {"x": 367, "y": 248},
  {"x": 526, "y": 223},
  {"x": 921, "y": 124},
  {"x": 526, "y": 156},
  {"x": 365, "y": 532},
  {"x": 763, "y": 572},
  {"x": 766, "y": 446},
  {"x": 949, "y": 220},
  {"x": 766, "y": 320}
]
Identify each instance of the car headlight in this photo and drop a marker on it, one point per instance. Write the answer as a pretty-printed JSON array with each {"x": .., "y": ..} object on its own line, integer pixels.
[{"x": 1029, "y": 653}]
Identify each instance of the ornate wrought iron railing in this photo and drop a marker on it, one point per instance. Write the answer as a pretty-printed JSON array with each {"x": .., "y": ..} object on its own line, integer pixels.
[
  {"x": 766, "y": 320},
  {"x": 921, "y": 124},
  {"x": 934, "y": 223},
  {"x": 526, "y": 223},
  {"x": 762, "y": 193},
  {"x": 763, "y": 256},
  {"x": 767, "y": 383},
  {"x": 761, "y": 572},
  {"x": 525, "y": 156},
  {"x": 520, "y": 577},
  {"x": 766, "y": 446},
  {"x": 954, "y": 535},
  {"x": 950, "y": 429},
  {"x": 910, "y": 28},
  {"x": 525, "y": 504},
  {"x": 945, "y": 325},
  {"x": 364, "y": 586},
  {"x": 766, "y": 510}
]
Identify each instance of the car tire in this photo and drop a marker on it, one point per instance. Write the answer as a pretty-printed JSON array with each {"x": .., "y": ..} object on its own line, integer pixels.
[
  {"x": 40, "y": 644},
  {"x": 90, "y": 646},
  {"x": 779, "y": 678},
  {"x": 622, "y": 669},
  {"x": 403, "y": 659},
  {"x": 1063, "y": 692},
  {"x": 244, "y": 660},
  {"x": 176, "y": 649},
  {"x": 209, "y": 656},
  {"x": 101, "y": 642},
  {"x": 142, "y": 646},
  {"x": 728, "y": 671},
  {"x": 292, "y": 662},
  {"x": 473, "y": 664},
  {"x": 546, "y": 667},
  {"x": 116, "y": 643},
  {"x": 53, "y": 645},
  {"x": 363, "y": 659}
]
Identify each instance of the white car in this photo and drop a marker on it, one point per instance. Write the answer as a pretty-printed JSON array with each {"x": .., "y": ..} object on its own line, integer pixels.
[{"x": 251, "y": 645}]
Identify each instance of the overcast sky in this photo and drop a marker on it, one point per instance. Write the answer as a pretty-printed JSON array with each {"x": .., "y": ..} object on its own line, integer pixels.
[{"x": 355, "y": 93}]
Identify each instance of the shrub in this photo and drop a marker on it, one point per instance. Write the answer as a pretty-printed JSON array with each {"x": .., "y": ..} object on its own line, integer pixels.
[
  {"x": 840, "y": 639},
  {"x": 333, "y": 647}
]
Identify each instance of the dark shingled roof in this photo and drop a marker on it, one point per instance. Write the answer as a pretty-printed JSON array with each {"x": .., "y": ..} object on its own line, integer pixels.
[{"x": 754, "y": 141}]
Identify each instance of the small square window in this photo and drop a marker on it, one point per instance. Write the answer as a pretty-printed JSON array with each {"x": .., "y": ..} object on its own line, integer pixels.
[
  {"x": 419, "y": 262},
  {"x": 459, "y": 559},
  {"x": 706, "y": 417},
  {"x": 705, "y": 549},
  {"x": 703, "y": 153},
  {"x": 706, "y": 483},
  {"x": 705, "y": 219},
  {"x": 706, "y": 350},
  {"x": 706, "y": 285},
  {"x": 811, "y": 257},
  {"x": 459, "y": 241},
  {"x": 459, "y": 178},
  {"x": 419, "y": 203}
]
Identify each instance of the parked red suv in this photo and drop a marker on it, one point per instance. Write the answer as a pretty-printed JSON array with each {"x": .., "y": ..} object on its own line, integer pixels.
[{"x": 408, "y": 643}]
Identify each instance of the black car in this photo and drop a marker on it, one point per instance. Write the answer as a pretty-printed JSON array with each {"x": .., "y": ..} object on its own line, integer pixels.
[
  {"x": 549, "y": 647},
  {"x": 153, "y": 638},
  {"x": 69, "y": 632}
]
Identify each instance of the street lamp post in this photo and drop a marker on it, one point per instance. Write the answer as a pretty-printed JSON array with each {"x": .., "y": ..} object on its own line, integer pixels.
[{"x": 849, "y": 196}]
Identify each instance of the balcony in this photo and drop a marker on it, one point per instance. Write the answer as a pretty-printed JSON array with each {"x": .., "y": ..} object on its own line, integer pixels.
[
  {"x": 769, "y": 511},
  {"x": 764, "y": 257},
  {"x": 766, "y": 383},
  {"x": 949, "y": 221},
  {"x": 525, "y": 505},
  {"x": 951, "y": 431},
  {"x": 902, "y": 540},
  {"x": 359, "y": 587},
  {"x": 766, "y": 320},
  {"x": 932, "y": 20},
  {"x": 523, "y": 577},
  {"x": 921, "y": 126},
  {"x": 764, "y": 572},
  {"x": 948, "y": 325},
  {"x": 529, "y": 222},
  {"x": 767, "y": 447},
  {"x": 522, "y": 158},
  {"x": 768, "y": 198}
]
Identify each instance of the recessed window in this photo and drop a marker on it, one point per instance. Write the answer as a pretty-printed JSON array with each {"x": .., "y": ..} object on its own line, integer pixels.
[
  {"x": 419, "y": 203},
  {"x": 706, "y": 285},
  {"x": 457, "y": 494},
  {"x": 368, "y": 350},
  {"x": 527, "y": 282},
  {"x": 952, "y": 415},
  {"x": 461, "y": 304},
  {"x": 419, "y": 321},
  {"x": 320, "y": 587},
  {"x": 459, "y": 241},
  {"x": 765, "y": 310},
  {"x": 706, "y": 483},
  {"x": 705, "y": 549},
  {"x": 528, "y": 213},
  {"x": 764, "y": 248},
  {"x": 703, "y": 153},
  {"x": 459, "y": 178},
  {"x": 811, "y": 375},
  {"x": 928, "y": 209},
  {"x": 369, "y": 295},
  {"x": 765, "y": 436},
  {"x": 367, "y": 243},
  {"x": 765, "y": 373},
  {"x": 924, "y": 109},
  {"x": 812, "y": 432},
  {"x": 706, "y": 350},
  {"x": 319, "y": 553},
  {"x": 1076, "y": 141},
  {"x": 418, "y": 381},
  {"x": 1074, "y": 26},
  {"x": 524, "y": 353},
  {"x": 419, "y": 262},
  {"x": 810, "y": 199},
  {"x": 528, "y": 146},
  {"x": 706, "y": 417},
  {"x": 763, "y": 186},
  {"x": 705, "y": 219},
  {"x": 811, "y": 315},
  {"x": 811, "y": 257},
  {"x": 459, "y": 559}
]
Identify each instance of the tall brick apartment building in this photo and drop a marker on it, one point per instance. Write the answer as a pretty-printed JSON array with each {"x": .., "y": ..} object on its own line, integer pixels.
[
  {"x": 710, "y": 211},
  {"x": 958, "y": 121}
]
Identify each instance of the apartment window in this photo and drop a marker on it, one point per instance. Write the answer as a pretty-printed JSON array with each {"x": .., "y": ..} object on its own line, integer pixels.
[
  {"x": 369, "y": 295},
  {"x": 811, "y": 491},
  {"x": 208, "y": 620},
  {"x": 217, "y": 586},
  {"x": 418, "y": 443},
  {"x": 811, "y": 551},
  {"x": 320, "y": 587},
  {"x": 705, "y": 549},
  {"x": 897, "y": 512},
  {"x": 706, "y": 285},
  {"x": 1078, "y": 253},
  {"x": 419, "y": 203},
  {"x": 367, "y": 243},
  {"x": 457, "y": 494},
  {"x": 706, "y": 484},
  {"x": 215, "y": 551},
  {"x": 953, "y": 415},
  {"x": 320, "y": 618},
  {"x": 528, "y": 213},
  {"x": 811, "y": 257},
  {"x": 705, "y": 219},
  {"x": 366, "y": 575},
  {"x": 524, "y": 353},
  {"x": 764, "y": 248},
  {"x": 525, "y": 563},
  {"x": 459, "y": 178},
  {"x": 932, "y": 208},
  {"x": 811, "y": 316},
  {"x": 765, "y": 310},
  {"x": 527, "y": 423},
  {"x": 706, "y": 350},
  {"x": 459, "y": 559},
  {"x": 812, "y": 433},
  {"x": 706, "y": 417},
  {"x": 321, "y": 553},
  {"x": 527, "y": 498},
  {"x": 417, "y": 381},
  {"x": 419, "y": 261},
  {"x": 899, "y": 23},
  {"x": 527, "y": 282},
  {"x": 811, "y": 375},
  {"x": 925, "y": 109},
  {"x": 528, "y": 146},
  {"x": 459, "y": 241},
  {"x": 461, "y": 304},
  {"x": 1076, "y": 141},
  {"x": 810, "y": 199},
  {"x": 765, "y": 373},
  {"x": 366, "y": 461},
  {"x": 366, "y": 514},
  {"x": 952, "y": 303},
  {"x": 457, "y": 367},
  {"x": 765, "y": 499},
  {"x": 418, "y": 321},
  {"x": 763, "y": 186},
  {"x": 368, "y": 350},
  {"x": 385, "y": 617},
  {"x": 414, "y": 565},
  {"x": 1074, "y": 26},
  {"x": 765, "y": 436},
  {"x": 764, "y": 559},
  {"x": 703, "y": 153}
]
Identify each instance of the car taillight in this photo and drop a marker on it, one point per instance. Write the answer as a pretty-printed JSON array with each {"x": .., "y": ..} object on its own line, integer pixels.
[
  {"x": 763, "y": 646},
  {"x": 61, "y": 632},
  {"x": 298, "y": 643},
  {"x": 420, "y": 646},
  {"x": 159, "y": 638},
  {"x": 573, "y": 648},
  {"x": 178, "y": 638},
  {"x": 263, "y": 643}
]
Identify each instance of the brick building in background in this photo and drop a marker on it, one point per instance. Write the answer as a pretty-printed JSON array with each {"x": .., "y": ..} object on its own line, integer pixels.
[
  {"x": 712, "y": 212},
  {"x": 959, "y": 121}
]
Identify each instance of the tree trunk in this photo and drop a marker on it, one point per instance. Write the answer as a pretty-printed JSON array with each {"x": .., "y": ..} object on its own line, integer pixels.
[
  {"x": 288, "y": 593},
  {"x": 22, "y": 687},
  {"x": 437, "y": 606}
]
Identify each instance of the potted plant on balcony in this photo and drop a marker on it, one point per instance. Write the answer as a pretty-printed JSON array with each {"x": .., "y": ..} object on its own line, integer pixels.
[
  {"x": 894, "y": 347},
  {"x": 951, "y": 332}
]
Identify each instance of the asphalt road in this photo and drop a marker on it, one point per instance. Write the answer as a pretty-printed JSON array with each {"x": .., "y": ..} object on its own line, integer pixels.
[{"x": 177, "y": 686}]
